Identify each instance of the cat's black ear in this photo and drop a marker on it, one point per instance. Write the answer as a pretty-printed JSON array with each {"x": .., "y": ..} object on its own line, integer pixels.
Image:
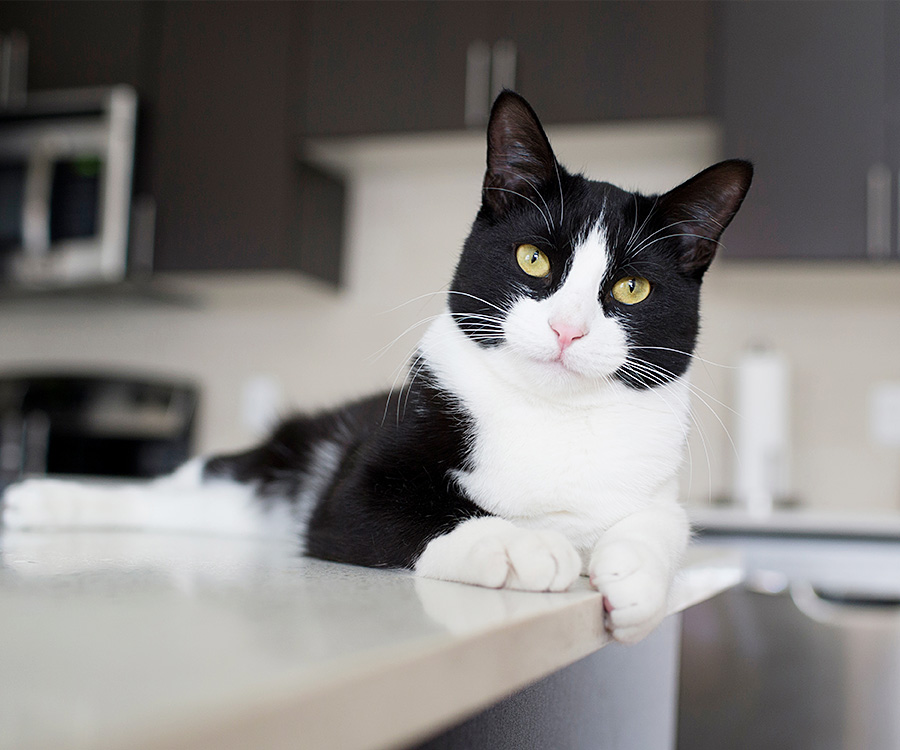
[
  {"x": 702, "y": 207},
  {"x": 519, "y": 158}
]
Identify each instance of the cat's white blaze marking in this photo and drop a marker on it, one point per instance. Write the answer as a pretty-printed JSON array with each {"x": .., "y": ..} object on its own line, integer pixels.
[
  {"x": 529, "y": 326},
  {"x": 574, "y": 461},
  {"x": 575, "y": 303}
]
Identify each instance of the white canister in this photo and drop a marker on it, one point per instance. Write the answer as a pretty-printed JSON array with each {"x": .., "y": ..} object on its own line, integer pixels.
[{"x": 762, "y": 445}]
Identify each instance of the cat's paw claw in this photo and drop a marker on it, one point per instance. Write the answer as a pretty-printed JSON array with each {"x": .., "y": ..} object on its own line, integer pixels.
[{"x": 634, "y": 584}]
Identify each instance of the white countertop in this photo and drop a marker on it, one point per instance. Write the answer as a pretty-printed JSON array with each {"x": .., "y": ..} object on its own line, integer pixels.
[{"x": 161, "y": 641}]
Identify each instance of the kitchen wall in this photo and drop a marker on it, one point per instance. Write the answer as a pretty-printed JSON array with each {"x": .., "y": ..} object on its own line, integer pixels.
[{"x": 411, "y": 200}]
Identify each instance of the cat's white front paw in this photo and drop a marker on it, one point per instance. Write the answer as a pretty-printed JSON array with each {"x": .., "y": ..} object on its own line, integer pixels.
[
  {"x": 493, "y": 552},
  {"x": 635, "y": 585}
]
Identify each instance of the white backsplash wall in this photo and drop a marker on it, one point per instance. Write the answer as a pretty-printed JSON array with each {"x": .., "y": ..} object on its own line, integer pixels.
[
  {"x": 838, "y": 327},
  {"x": 410, "y": 203}
]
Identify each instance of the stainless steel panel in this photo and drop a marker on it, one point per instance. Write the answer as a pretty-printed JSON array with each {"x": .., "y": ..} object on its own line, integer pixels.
[{"x": 790, "y": 663}]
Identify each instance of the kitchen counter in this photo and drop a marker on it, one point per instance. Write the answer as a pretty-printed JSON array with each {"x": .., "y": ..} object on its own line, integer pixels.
[
  {"x": 796, "y": 522},
  {"x": 136, "y": 640}
]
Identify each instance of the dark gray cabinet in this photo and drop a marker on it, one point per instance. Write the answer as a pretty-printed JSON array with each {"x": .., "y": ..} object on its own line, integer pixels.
[
  {"x": 374, "y": 67},
  {"x": 219, "y": 127},
  {"x": 581, "y": 62},
  {"x": 231, "y": 193},
  {"x": 404, "y": 66},
  {"x": 75, "y": 44},
  {"x": 801, "y": 91}
]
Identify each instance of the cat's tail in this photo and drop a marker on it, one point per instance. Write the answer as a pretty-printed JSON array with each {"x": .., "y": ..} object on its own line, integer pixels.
[{"x": 186, "y": 501}]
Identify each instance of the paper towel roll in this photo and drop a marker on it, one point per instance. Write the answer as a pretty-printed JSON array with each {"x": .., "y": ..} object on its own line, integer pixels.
[{"x": 762, "y": 471}]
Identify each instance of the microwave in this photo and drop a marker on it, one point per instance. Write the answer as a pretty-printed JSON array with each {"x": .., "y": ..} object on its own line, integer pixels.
[{"x": 66, "y": 162}]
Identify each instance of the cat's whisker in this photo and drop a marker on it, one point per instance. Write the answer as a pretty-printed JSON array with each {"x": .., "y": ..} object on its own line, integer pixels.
[
  {"x": 401, "y": 371},
  {"x": 634, "y": 225},
  {"x": 427, "y": 295},
  {"x": 417, "y": 363},
  {"x": 562, "y": 202},
  {"x": 703, "y": 361},
  {"x": 536, "y": 238},
  {"x": 693, "y": 386},
  {"x": 699, "y": 394},
  {"x": 478, "y": 299},
  {"x": 685, "y": 354},
  {"x": 374, "y": 357},
  {"x": 421, "y": 364},
  {"x": 532, "y": 186},
  {"x": 637, "y": 369},
  {"x": 488, "y": 330},
  {"x": 525, "y": 197},
  {"x": 405, "y": 363},
  {"x": 664, "y": 228},
  {"x": 645, "y": 245},
  {"x": 684, "y": 432},
  {"x": 644, "y": 222}
]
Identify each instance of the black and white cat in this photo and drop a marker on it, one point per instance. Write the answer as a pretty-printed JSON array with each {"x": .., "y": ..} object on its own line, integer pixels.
[{"x": 542, "y": 427}]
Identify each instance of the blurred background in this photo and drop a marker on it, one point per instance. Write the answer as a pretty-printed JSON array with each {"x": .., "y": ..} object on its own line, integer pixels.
[
  {"x": 273, "y": 190},
  {"x": 213, "y": 213}
]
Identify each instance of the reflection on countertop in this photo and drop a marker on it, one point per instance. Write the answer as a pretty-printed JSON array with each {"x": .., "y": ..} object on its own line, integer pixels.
[{"x": 151, "y": 640}]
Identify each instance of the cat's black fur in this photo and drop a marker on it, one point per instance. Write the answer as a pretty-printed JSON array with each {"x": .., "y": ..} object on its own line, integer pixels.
[{"x": 393, "y": 490}]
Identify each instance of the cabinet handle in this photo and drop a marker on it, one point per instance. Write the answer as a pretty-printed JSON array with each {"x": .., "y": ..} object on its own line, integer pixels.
[
  {"x": 478, "y": 84},
  {"x": 36, "y": 217},
  {"x": 13, "y": 69},
  {"x": 850, "y": 613},
  {"x": 878, "y": 212},
  {"x": 503, "y": 67}
]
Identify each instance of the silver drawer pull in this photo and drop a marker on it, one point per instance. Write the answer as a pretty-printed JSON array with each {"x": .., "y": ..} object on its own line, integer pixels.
[
  {"x": 846, "y": 611},
  {"x": 878, "y": 212},
  {"x": 503, "y": 70},
  {"x": 478, "y": 84}
]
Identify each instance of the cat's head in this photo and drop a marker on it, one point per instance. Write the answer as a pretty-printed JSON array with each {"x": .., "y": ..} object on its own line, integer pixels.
[{"x": 571, "y": 282}]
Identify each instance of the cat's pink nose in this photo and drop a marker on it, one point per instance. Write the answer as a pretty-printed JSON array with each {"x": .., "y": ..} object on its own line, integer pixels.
[{"x": 566, "y": 334}]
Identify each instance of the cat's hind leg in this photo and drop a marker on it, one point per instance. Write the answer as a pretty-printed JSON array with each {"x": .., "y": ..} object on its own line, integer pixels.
[{"x": 185, "y": 501}]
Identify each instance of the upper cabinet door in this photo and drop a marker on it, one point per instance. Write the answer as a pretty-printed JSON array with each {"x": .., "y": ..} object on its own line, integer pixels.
[
  {"x": 376, "y": 67},
  {"x": 801, "y": 92},
  {"x": 411, "y": 66},
  {"x": 581, "y": 62}
]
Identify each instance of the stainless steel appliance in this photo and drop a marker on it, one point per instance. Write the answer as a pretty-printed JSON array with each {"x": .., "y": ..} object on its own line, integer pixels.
[
  {"x": 96, "y": 425},
  {"x": 804, "y": 656},
  {"x": 66, "y": 161}
]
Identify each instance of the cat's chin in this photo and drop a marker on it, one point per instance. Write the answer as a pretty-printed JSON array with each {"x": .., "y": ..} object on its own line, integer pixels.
[{"x": 554, "y": 377}]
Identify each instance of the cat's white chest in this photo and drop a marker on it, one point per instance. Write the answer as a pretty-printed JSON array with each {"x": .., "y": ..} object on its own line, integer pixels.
[
  {"x": 576, "y": 466},
  {"x": 576, "y": 471}
]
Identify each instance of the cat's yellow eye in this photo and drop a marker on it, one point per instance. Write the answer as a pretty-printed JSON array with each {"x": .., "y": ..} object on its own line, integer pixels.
[
  {"x": 631, "y": 290},
  {"x": 532, "y": 261}
]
